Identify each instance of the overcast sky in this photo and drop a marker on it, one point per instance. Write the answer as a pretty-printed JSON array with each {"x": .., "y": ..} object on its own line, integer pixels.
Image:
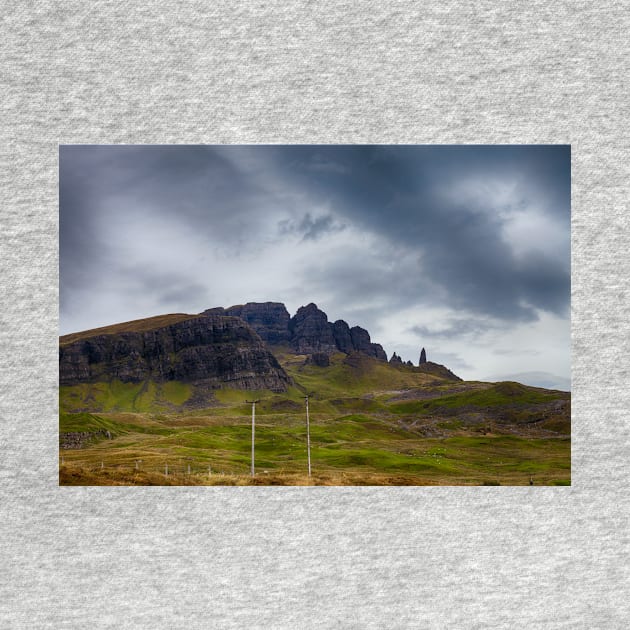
[{"x": 464, "y": 250}]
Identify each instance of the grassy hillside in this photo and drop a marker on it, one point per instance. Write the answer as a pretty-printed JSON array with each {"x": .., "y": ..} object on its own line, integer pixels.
[
  {"x": 354, "y": 376},
  {"x": 76, "y": 422},
  {"x": 138, "y": 325},
  {"x": 367, "y": 449},
  {"x": 115, "y": 395},
  {"x": 371, "y": 423},
  {"x": 493, "y": 395}
]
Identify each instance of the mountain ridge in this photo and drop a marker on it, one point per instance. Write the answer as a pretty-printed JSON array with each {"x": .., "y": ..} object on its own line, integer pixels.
[
  {"x": 219, "y": 350},
  {"x": 236, "y": 347},
  {"x": 307, "y": 332}
]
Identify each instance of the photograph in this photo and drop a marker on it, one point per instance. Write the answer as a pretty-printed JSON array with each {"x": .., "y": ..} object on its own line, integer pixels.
[
  {"x": 341, "y": 302},
  {"x": 315, "y": 315}
]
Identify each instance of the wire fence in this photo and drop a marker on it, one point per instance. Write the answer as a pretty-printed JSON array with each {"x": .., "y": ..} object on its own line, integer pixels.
[{"x": 167, "y": 469}]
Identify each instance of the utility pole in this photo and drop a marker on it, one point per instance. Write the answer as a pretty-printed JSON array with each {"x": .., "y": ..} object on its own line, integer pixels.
[
  {"x": 308, "y": 435},
  {"x": 253, "y": 404}
]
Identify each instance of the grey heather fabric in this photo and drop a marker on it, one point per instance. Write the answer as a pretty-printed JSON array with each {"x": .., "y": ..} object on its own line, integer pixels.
[{"x": 327, "y": 72}]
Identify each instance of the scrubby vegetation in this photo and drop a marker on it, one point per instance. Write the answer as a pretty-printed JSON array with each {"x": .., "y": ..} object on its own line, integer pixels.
[{"x": 371, "y": 424}]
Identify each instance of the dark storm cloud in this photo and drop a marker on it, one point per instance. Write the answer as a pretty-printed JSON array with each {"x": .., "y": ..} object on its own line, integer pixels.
[
  {"x": 314, "y": 228},
  {"x": 102, "y": 189},
  {"x": 318, "y": 163},
  {"x": 455, "y": 329},
  {"x": 310, "y": 228},
  {"x": 202, "y": 186},
  {"x": 436, "y": 217},
  {"x": 413, "y": 197},
  {"x": 80, "y": 249},
  {"x": 170, "y": 289}
]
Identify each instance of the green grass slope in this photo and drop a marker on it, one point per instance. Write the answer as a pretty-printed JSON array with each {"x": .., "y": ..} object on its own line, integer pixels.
[
  {"x": 86, "y": 422},
  {"x": 115, "y": 395},
  {"x": 206, "y": 449},
  {"x": 353, "y": 375},
  {"x": 371, "y": 424},
  {"x": 493, "y": 395}
]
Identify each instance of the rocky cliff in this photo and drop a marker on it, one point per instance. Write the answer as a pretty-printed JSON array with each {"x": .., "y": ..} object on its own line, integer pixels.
[
  {"x": 215, "y": 349},
  {"x": 343, "y": 337},
  {"x": 362, "y": 343},
  {"x": 307, "y": 332},
  {"x": 270, "y": 320},
  {"x": 311, "y": 331}
]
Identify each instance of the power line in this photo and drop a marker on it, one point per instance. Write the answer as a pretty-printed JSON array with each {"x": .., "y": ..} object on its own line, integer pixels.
[
  {"x": 308, "y": 434},
  {"x": 253, "y": 404}
]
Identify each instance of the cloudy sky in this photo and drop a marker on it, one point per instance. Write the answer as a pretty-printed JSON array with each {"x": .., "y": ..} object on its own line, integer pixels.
[{"x": 464, "y": 250}]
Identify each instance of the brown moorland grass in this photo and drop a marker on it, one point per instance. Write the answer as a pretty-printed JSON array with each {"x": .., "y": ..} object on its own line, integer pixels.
[
  {"x": 352, "y": 449},
  {"x": 71, "y": 475},
  {"x": 137, "y": 325},
  {"x": 78, "y": 476},
  {"x": 370, "y": 424}
]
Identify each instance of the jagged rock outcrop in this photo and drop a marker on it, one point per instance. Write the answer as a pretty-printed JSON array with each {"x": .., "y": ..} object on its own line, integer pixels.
[
  {"x": 356, "y": 339},
  {"x": 269, "y": 319},
  {"x": 378, "y": 352},
  {"x": 320, "y": 359},
  {"x": 396, "y": 359},
  {"x": 217, "y": 310},
  {"x": 311, "y": 332},
  {"x": 81, "y": 439},
  {"x": 343, "y": 338},
  {"x": 423, "y": 356},
  {"x": 362, "y": 343},
  {"x": 307, "y": 332},
  {"x": 214, "y": 349}
]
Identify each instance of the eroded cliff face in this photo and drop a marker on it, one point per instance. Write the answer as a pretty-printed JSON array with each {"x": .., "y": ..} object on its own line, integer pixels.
[
  {"x": 307, "y": 332},
  {"x": 270, "y": 320},
  {"x": 343, "y": 338},
  {"x": 362, "y": 343},
  {"x": 215, "y": 349},
  {"x": 311, "y": 332}
]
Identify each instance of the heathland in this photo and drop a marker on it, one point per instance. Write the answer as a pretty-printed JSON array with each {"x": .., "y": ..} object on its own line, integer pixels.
[{"x": 167, "y": 401}]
